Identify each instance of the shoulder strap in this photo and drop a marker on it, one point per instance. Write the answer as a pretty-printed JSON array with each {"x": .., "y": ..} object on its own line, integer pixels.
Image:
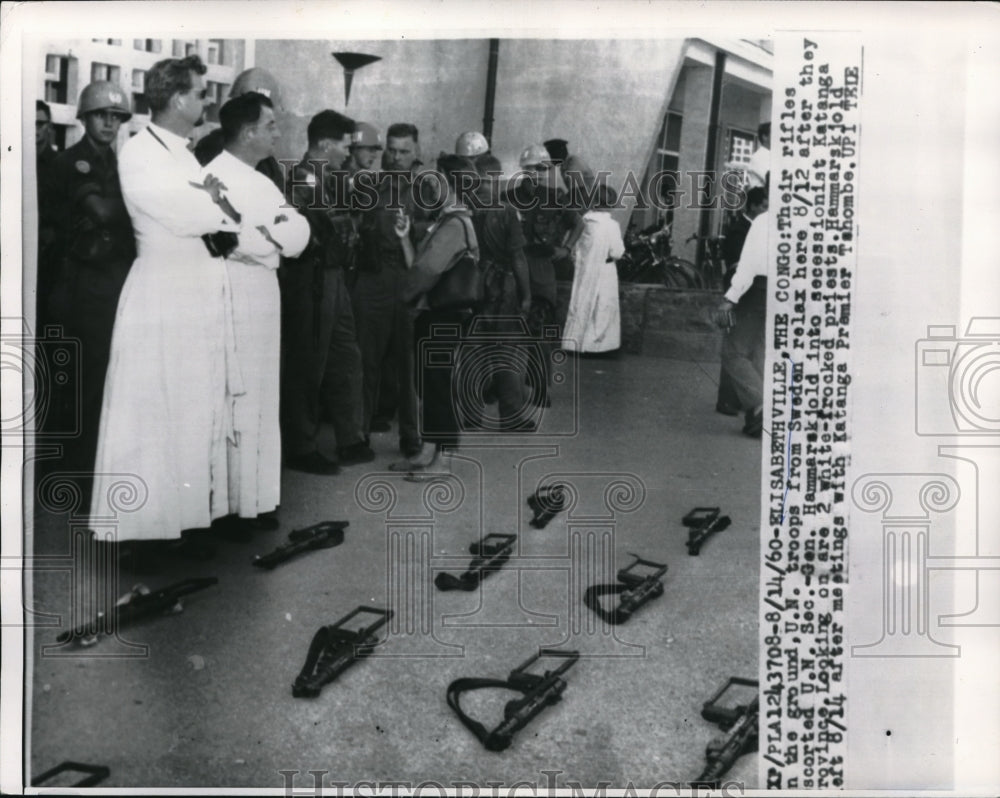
[{"x": 466, "y": 224}]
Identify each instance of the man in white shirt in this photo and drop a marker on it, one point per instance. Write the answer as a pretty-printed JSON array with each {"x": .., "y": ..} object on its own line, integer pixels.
[
  {"x": 759, "y": 167},
  {"x": 270, "y": 229},
  {"x": 161, "y": 454},
  {"x": 743, "y": 314}
]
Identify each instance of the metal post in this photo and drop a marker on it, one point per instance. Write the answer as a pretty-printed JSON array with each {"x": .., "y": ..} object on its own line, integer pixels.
[
  {"x": 705, "y": 222},
  {"x": 491, "y": 90}
]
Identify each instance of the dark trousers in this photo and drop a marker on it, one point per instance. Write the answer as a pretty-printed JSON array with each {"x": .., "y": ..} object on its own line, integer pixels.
[
  {"x": 89, "y": 318},
  {"x": 744, "y": 346},
  {"x": 727, "y": 396},
  {"x": 541, "y": 323},
  {"x": 385, "y": 331},
  {"x": 388, "y": 392},
  {"x": 438, "y": 337},
  {"x": 321, "y": 361},
  {"x": 497, "y": 369}
]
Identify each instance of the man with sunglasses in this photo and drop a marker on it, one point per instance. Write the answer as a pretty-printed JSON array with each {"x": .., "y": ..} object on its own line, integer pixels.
[{"x": 91, "y": 251}]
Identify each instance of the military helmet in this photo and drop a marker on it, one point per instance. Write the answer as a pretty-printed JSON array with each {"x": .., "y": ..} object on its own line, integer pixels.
[
  {"x": 365, "y": 135},
  {"x": 257, "y": 80},
  {"x": 103, "y": 95},
  {"x": 471, "y": 144},
  {"x": 535, "y": 155}
]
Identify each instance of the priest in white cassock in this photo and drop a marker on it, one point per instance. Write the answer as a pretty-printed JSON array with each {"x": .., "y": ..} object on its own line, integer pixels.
[
  {"x": 271, "y": 229},
  {"x": 161, "y": 457}
]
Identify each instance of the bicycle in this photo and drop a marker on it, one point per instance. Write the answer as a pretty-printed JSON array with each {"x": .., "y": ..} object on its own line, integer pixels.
[
  {"x": 648, "y": 259},
  {"x": 712, "y": 265}
]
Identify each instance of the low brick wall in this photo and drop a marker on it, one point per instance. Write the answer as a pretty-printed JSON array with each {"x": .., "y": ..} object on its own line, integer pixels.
[{"x": 663, "y": 322}]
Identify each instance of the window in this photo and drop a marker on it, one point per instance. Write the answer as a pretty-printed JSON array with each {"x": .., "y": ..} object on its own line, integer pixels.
[
  {"x": 183, "y": 48},
  {"x": 216, "y": 51},
  {"x": 668, "y": 148},
  {"x": 217, "y": 92},
  {"x": 99, "y": 71},
  {"x": 56, "y": 71},
  {"x": 147, "y": 45},
  {"x": 116, "y": 42},
  {"x": 740, "y": 147},
  {"x": 139, "y": 103}
]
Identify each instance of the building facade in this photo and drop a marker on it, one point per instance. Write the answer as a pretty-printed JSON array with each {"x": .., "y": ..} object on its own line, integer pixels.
[
  {"x": 69, "y": 65},
  {"x": 631, "y": 108},
  {"x": 628, "y": 107}
]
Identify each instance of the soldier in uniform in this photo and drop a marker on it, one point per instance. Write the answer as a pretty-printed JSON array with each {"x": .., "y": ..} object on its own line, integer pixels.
[
  {"x": 93, "y": 249},
  {"x": 507, "y": 294},
  {"x": 548, "y": 223},
  {"x": 45, "y": 154},
  {"x": 321, "y": 360},
  {"x": 385, "y": 328}
]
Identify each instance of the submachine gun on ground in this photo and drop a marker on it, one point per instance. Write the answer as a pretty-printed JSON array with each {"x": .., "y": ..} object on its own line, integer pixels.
[
  {"x": 740, "y": 724},
  {"x": 324, "y": 535},
  {"x": 134, "y": 606},
  {"x": 489, "y": 555},
  {"x": 334, "y": 649},
  {"x": 545, "y": 503},
  {"x": 634, "y": 590},
  {"x": 539, "y": 691},
  {"x": 702, "y": 523}
]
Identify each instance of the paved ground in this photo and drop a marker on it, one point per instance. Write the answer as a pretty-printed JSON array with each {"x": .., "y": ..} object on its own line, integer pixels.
[{"x": 209, "y": 704}]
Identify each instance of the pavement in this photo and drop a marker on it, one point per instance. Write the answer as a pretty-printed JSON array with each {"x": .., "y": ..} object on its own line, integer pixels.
[{"x": 202, "y": 698}]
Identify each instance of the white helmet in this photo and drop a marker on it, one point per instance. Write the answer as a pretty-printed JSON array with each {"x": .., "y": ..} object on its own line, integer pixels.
[
  {"x": 535, "y": 155},
  {"x": 471, "y": 144}
]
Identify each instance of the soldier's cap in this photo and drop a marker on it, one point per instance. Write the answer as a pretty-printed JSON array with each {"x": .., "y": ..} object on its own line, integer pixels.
[{"x": 365, "y": 135}]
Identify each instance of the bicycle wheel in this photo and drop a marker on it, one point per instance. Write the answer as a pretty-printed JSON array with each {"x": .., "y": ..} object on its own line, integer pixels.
[{"x": 680, "y": 273}]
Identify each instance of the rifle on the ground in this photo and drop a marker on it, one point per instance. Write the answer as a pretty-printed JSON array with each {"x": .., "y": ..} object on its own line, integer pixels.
[
  {"x": 634, "y": 589},
  {"x": 334, "y": 649},
  {"x": 138, "y": 604},
  {"x": 739, "y": 723},
  {"x": 545, "y": 503},
  {"x": 703, "y": 522},
  {"x": 95, "y": 774},
  {"x": 489, "y": 555},
  {"x": 324, "y": 535},
  {"x": 538, "y": 691}
]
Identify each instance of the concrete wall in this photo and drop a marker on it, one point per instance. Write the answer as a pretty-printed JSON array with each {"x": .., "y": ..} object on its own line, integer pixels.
[
  {"x": 439, "y": 86},
  {"x": 606, "y": 97},
  {"x": 662, "y": 322}
]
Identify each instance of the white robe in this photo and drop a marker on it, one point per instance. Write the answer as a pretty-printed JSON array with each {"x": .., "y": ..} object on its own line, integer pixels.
[
  {"x": 161, "y": 453},
  {"x": 593, "y": 321},
  {"x": 255, "y": 451}
]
